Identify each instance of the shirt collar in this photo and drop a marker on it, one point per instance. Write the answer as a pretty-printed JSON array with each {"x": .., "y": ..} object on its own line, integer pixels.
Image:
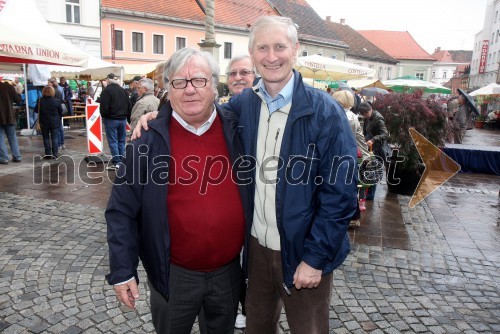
[
  {"x": 283, "y": 98},
  {"x": 202, "y": 129}
]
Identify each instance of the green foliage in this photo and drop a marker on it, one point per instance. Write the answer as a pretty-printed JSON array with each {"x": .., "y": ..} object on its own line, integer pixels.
[{"x": 403, "y": 111}]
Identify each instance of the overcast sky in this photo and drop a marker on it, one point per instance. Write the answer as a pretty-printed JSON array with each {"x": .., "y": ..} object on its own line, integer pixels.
[{"x": 450, "y": 24}]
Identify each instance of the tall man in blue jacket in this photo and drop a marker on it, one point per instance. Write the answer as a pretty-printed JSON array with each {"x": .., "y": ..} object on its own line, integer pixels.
[
  {"x": 305, "y": 186},
  {"x": 302, "y": 157},
  {"x": 176, "y": 205}
]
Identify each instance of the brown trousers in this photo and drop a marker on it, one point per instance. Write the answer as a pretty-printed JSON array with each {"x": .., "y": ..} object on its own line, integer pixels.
[{"x": 307, "y": 310}]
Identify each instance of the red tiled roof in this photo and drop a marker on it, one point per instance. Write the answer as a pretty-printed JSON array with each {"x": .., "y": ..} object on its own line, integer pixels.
[
  {"x": 359, "y": 46},
  {"x": 187, "y": 9},
  {"x": 398, "y": 44},
  {"x": 236, "y": 13},
  {"x": 453, "y": 56}
]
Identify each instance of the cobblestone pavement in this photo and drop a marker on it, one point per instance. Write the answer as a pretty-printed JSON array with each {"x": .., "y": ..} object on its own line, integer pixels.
[{"x": 53, "y": 258}]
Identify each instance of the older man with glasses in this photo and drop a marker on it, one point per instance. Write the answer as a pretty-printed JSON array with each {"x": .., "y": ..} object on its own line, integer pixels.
[{"x": 177, "y": 205}]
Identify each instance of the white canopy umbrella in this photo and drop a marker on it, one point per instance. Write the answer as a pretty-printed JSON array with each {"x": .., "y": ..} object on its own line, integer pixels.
[
  {"x": 97, "y": 68},
  {"x": 490, "y": 89},
  {"x": 27, "y": 38},
  {"x": 323, "y": 68}
]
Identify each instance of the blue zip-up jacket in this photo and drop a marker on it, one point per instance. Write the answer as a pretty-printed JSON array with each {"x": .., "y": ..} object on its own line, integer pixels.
[
  {"x": 317, "y": 171},
  {"x": 136, "y": 214}
]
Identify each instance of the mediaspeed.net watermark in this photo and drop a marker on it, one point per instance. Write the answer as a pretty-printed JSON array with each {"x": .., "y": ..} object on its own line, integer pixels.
[{"x": 212, "y": 170}]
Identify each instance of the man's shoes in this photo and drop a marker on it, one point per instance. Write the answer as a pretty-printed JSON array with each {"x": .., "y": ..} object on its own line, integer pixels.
[
  {"x": 112, "y": 167},
  {"x": 47, "y": 157},
  {"x": 62, "y": 147},
  {"x": 4, "y": 162},
  {"x": 354, "y": 223},
  {"x": 241, "y": 321},
  {"x": 16, "y": 160}
]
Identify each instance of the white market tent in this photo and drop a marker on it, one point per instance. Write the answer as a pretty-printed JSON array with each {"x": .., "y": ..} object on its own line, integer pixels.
[
  {"x": 323, "y": 68},
  {"x": 27, "y": 38},
  {"x": 492, "y": 88},
  {"x": 97, "y": 68},
  {"x": 131, "y": 70},
  {"x": 363, "y": 83}
]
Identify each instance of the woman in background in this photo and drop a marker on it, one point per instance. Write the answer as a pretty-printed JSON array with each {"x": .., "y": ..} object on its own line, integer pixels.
[
  {"x": 346, "y": 100},
  {"x": 49, "y": 116}
]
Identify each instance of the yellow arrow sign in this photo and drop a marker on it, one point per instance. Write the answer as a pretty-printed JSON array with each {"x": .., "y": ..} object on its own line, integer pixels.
[{"x": 438, "y": 167}]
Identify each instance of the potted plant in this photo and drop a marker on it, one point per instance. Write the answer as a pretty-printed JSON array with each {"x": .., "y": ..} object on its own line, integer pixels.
[
  {"x": 479, "y": 121},
  {"x": 403, "y": 111}
]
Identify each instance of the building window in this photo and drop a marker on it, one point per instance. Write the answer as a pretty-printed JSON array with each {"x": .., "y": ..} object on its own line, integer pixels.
[
  {"x": 228, "y": 50},
  {"x": 305, "y": 53},
  {"x": 492, "y": 38},
  {"x": 496, "y": 39},
  {"x": 320, "y": 53},
  {"x": 444, "y": 74},
  {"x": 158, "y": 44},
  {"x": 137, "y": 42},
  {"x": 73, "y": 11},
  {"x": 118, "y": 40},
  {"x": 419, "y": 75},
  {"x": 334, "y": 56},
  {"x": 180, "y": 43},
  {"x": 389, "y": 70},
  {"x": 380, "y": 73},
  {"x": 433, "y": 74}
]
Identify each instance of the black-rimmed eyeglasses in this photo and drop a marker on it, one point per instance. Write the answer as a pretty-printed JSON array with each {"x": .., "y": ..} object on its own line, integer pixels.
[
  {"x": 242, "y": 73},
  {"x": 195, "y": 82}
]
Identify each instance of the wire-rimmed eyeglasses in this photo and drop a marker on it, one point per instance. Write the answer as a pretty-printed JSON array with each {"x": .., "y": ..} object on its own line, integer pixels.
[
  {"x": 242, "y": 73},
  {"x": 195, "y": 82}
]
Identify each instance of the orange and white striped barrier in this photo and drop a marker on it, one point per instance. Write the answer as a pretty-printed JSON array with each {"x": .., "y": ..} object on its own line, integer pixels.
[{"x": 94, "y": 127}]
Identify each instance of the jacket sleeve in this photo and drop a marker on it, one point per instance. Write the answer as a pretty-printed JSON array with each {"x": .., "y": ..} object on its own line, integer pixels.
[
  {"x": 383, "y": 134},
  {"x": 105, "y": 100},
  {"x": 336, "y": 199},
  {"x": 122, "y": 219}
]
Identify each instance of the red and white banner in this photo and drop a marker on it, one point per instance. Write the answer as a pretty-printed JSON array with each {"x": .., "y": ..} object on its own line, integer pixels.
[
  {"x": 94, "y": 127},
  {"x": 484, "y": 56}
]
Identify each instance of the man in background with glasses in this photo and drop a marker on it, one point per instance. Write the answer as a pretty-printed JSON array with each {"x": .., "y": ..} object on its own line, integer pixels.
[
  {"x": 240, "y": 75},
  {"x": 177, "y": 205}
]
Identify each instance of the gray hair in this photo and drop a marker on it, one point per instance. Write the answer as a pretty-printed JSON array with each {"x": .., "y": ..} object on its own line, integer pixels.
[
  {"x": 182, "y": 56},
  {"x": 235, "y": 59},
  {"x": 269, "y": 21},
  {"x": 147, "y": 83}
]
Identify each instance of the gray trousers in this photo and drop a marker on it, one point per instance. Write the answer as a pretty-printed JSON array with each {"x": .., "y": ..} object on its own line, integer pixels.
[{"x": 216, "y": 293}]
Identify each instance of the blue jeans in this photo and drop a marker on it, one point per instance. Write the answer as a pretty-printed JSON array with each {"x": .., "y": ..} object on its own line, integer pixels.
[
  {"x": 116, "y": 135},
  {"x": 61, "y": 135},
  {"x": 33, "y": 117},
  {"x": 10, "y": 132}
]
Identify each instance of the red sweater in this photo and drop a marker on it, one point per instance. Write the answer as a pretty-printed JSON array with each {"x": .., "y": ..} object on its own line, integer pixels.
[{"x": 205, "y": 213}]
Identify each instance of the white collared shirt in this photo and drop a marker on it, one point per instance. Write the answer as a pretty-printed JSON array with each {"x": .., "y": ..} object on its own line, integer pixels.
[{"x": 202, "y": 129}]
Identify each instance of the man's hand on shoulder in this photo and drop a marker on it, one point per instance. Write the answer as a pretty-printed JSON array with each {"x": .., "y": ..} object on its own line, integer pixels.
[{"x": 143, "y": 124}]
